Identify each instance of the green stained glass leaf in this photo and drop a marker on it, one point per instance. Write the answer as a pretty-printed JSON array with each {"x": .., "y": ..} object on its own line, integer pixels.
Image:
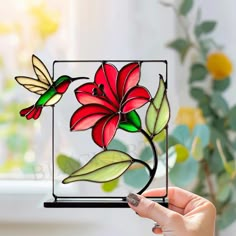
[
  {"x": 67, "y": 164},
  {"x": 132, "y": 122},
  {"x": 110, "y": 186},
  {"x": 103, "y": 167},
  {"x": 158, "y": 113}
]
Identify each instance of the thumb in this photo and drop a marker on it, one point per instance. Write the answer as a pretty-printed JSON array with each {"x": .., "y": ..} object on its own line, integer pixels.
[{"x": 152, "y": 210}]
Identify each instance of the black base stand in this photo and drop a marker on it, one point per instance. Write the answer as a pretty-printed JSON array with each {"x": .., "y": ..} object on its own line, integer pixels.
[{"x": 98, "y": 203}]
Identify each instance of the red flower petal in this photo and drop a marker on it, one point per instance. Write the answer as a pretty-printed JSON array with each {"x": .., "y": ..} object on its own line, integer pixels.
[
  {"x": 106, "y": 75},
  {"x": 135, "y": 98},
  {"x": 87, "y": 116},
  {"x": 85, "y": 95},
  {"x": 105, "y": 129},
  {"x": 128, "y": 77}
]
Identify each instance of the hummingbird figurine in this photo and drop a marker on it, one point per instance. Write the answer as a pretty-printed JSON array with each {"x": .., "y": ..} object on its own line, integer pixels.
[{"x": 50, "y": 91}]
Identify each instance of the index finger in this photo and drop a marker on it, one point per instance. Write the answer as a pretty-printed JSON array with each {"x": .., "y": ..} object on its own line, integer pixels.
[{"x": 177, "y": 197}]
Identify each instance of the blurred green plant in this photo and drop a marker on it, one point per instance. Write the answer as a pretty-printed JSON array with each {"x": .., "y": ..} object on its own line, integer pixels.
[{"x": 211, "y": 167}]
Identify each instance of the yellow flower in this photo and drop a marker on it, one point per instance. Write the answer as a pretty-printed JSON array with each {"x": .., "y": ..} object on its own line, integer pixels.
[
  {"x": 46, "y": 22},
  {"x": 190, "y": 116},
  {"x": 219, "y": 65}
]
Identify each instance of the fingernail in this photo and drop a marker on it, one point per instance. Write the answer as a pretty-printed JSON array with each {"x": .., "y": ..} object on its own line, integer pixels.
[{"x": 133, "y": 199}]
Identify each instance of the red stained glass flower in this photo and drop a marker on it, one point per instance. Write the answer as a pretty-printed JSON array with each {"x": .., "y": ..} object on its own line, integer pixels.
[{"x": 107, "y": 100}]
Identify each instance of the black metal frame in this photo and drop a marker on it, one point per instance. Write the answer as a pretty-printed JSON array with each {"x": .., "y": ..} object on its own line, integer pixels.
[{"x": 98, "y": 201}]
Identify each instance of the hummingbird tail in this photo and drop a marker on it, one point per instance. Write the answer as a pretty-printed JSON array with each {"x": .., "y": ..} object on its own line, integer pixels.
[{"x": 31, "y": 112}]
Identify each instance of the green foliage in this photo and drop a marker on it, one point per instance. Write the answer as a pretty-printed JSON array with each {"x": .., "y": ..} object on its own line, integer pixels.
[
  {"x": 118, "y": 145},
  {"x": 232, "y": 118},
  {"x": 198, "y": 72},
  {"x": 103, "y": 167},
  {"x": 182, "y": 153},
  {"x": 211, "y": 147},
  {"x": 67, "y": 164},
  {"x": 221, "y": 85},
  {"x": 185, "y": 7},
  {"x": 183, "y": 174},
  {"x": 110, "y": 186},
  {"x": 136, "y": 178},
  {"x": 181, "y": 46},
  {"x": 228, "y": 216},
  {"x": 205, "y": 28}
]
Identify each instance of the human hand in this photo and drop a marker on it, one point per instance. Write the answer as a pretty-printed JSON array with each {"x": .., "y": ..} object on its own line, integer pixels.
[{"x": 188, "y": 213}]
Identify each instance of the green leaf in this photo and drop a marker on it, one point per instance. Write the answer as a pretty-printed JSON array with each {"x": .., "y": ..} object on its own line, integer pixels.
[
  {"x": 224, "y": 190},
  {"x": 182, "y": 134},
  {"x": 146, "y": 154},
  {"x": 203, "y": 133},
  {"x": 197, "y": 93},
  {"x": 132, "y": 123},
  {"x": 103, "y": 167},
  {"x": 110, "y": 186},
  {"x": 215, "y": 163},
  {"x": 198, "y": 72},
  {"x": 171, "y": 142},
  {"x": 232, "y": 118},
  {"x": 181, "y": 46},
  {"x": 185, "y": 7},
  {"x": 219, "y": 104},
  {"x": 205, "y": 27},
  {"x": 204, "y": 47},
  {"x": 182, "y": 153},
  {"x": 228, "y": 216},
  {"x": 160, "y": 136},
  {"x": 197, "y": 149},
  {"x": 184, "y": 174},
  {"x": 136, "y": 178},
  {"x": 230, "y": 167},
  {"x": 118, "y": 145},
  {"x": 158, "y": 113},
  {"x": 67, "y": 164},
  {"x": 221, "y": 85}
]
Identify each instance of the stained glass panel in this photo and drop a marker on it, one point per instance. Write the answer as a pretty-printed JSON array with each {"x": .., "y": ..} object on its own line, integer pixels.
[{"x": 121, "y": 101}]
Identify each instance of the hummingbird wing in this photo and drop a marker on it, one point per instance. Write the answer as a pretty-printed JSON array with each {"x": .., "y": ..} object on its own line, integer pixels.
[
  {"x": 33, "y": 85},
  {"x": 41, "y": 71}
]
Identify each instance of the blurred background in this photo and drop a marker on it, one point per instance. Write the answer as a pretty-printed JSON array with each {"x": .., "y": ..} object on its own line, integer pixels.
[{"x": 197, "y": 40}]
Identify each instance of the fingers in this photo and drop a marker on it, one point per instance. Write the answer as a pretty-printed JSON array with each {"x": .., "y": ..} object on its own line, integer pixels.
[
  {"x": 177, "y": 197},
  {"x": 149, "y": 209}
]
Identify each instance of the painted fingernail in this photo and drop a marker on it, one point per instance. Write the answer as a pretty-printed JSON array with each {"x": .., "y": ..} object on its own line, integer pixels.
[{"x": 133, "y": 199}]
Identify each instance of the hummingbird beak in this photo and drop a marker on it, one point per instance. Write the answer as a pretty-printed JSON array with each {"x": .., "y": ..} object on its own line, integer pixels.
[{"x": 77, "y": 78}]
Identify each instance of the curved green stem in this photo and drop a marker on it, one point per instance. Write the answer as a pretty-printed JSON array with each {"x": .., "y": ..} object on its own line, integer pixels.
[{"x": 154, "y": 168}]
